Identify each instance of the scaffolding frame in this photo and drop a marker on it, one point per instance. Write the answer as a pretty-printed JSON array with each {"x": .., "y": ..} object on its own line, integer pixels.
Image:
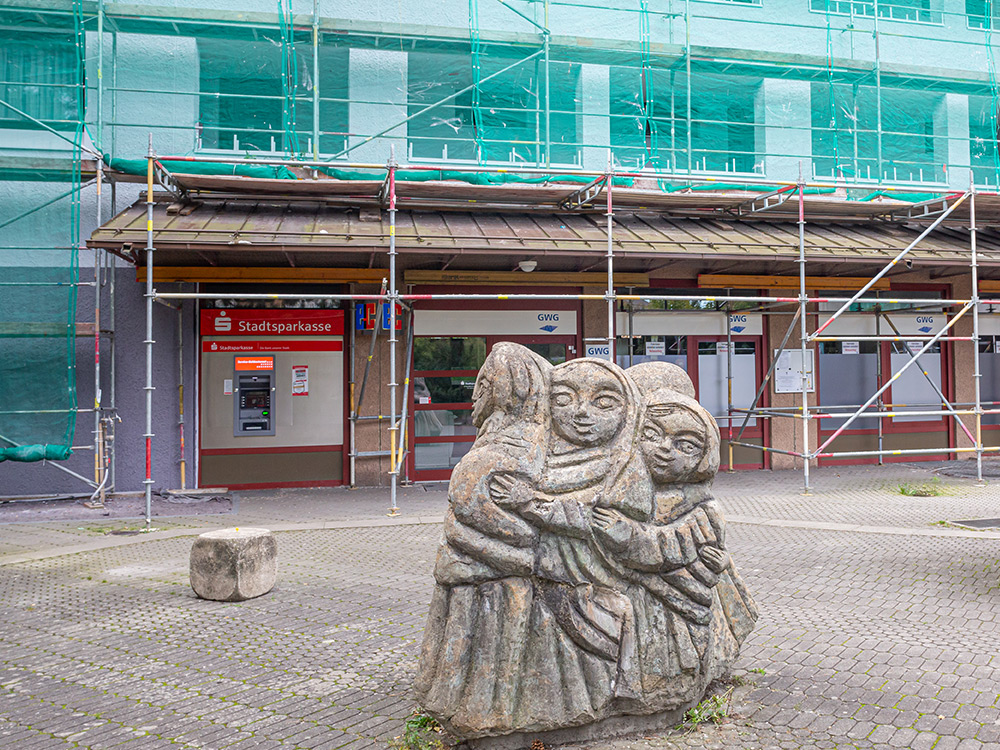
[
  {"x": 107, "y": 126},
  {"x": 802, "y": 303}
]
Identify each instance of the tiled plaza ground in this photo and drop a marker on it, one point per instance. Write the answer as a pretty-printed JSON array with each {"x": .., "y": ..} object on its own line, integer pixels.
[{"x": 879, "y": 628}]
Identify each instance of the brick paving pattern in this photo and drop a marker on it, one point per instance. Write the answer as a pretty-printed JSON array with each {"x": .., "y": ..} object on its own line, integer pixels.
[{"x": 881, "y": 632}]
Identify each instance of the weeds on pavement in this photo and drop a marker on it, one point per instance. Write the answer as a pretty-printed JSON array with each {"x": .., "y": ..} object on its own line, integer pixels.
[{"x": 421, "y": 732}]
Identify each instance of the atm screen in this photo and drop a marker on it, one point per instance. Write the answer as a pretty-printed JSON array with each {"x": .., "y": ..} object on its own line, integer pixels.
[{"x": 255, "y": 399}]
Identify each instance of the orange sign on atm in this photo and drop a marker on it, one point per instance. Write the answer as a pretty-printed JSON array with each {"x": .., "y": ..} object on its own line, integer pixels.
[{"x": 255, "y": 363}]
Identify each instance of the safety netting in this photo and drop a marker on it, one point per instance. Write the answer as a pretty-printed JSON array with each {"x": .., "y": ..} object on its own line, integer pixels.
[
  {"x": 42, "y": 104},
  {"x": 898, "y": 97},
  {"x": 902, "y": 93}
]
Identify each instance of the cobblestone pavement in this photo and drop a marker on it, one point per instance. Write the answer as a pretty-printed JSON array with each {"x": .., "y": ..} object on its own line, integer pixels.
[{"x": 878, "y": 629}]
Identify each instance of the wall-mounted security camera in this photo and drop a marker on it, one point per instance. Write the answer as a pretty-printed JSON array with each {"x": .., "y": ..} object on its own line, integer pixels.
[{"x": 528, "y": 265}]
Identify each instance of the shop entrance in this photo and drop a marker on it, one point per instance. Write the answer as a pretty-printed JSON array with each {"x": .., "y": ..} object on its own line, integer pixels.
[
  {"x": 444, "y": 374},
  {"x": 697, "y": 342},
  {"x": 271, "y": 398}
]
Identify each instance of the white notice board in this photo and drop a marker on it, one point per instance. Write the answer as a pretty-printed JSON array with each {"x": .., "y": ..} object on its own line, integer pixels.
[{"x": 788, "y": 371}]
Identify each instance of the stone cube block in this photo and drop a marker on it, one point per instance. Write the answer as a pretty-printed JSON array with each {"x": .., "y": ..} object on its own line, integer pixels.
[{"x": 231, "y": 565}]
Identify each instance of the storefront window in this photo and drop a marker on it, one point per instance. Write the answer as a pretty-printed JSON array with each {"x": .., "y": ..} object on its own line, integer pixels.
[
  {"x": 989, "y": 364},
  {"x": 719, "y": 303},
  {"x": 454, "y": 390},
  {"x": 848, "y": 376},
  {"x": 429, "y": 456},
  {"x": 636, "y": 349},
  {"x": 443, "y": 422},
  {"x": 456, "y": 353}
]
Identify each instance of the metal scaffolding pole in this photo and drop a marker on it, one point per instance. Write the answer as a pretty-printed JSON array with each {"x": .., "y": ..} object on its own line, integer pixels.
[
  {"x": 729, "y": 383},
  {"x": 351, "y": 444},
  {"x": 100, "y": 475},
  {"x": 611, "y": 260},
  {"x": 890, "y": 265},
  {"x": 150, "y": 296},
  {"x": 804, "y": 344},
  {"x": 976, "y": 373},
  {"x": 879, "y": 405},
  {"x": 393, "y": 301}
]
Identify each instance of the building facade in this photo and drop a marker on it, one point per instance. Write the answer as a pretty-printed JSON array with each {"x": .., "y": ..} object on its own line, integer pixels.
[{"x": 506, "y": 114}]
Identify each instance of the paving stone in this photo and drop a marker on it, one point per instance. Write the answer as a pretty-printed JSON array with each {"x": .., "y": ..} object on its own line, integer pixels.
[{"x": 866, "y": 639}]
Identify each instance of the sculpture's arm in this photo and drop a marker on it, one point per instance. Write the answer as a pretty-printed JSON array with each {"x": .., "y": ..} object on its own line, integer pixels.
[
  {"x": 562, "y": 516},
  {"x": 544, "y": 511},
  {"x": 649, "y": 546},
  {"x": 477, "y": 509},
  {"x": 505, "y": 558},
  {"x": 717, "y": 521}
]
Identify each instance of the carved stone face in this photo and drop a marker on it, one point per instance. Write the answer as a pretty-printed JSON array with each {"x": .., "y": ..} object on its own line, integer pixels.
[
  {"x": 672, "y": 445},
  {"x": 587, "y": 405}
]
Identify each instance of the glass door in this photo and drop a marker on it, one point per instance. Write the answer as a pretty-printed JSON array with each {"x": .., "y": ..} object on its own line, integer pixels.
[
  {"x": 710, "y": 370},
  {"x": 444, "y": 373}
]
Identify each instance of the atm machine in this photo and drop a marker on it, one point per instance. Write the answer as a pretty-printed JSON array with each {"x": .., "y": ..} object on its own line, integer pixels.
[{"x": 253, "y": 405}]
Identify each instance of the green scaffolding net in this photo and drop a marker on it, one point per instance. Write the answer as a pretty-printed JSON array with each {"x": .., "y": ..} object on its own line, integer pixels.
[
  {"x": 42, "y": 116},
  {"x": 898, "y": 94},
  {"x": 895, "y": 99}
]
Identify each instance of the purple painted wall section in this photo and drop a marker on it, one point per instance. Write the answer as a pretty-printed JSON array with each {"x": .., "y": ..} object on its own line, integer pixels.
[{"x": 38, "y": 479}]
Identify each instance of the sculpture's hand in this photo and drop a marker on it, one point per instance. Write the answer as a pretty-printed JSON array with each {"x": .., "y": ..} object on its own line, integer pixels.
[
  {"x": 612, "y": 526},
  {"x": 715, "y": 559},
  {"x": 510, "y": 492}
]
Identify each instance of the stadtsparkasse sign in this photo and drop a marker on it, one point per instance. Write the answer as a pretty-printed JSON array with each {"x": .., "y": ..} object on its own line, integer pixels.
[{"x": 272, "y": 323}]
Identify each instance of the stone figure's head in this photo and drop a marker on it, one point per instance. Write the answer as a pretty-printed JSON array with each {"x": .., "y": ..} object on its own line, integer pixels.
[
  {"x": 678, "y": 439},
  {"x": 511, "y": 383},
  {"x": 651, "y": 376},
  {"x": 589, "y": 401}
]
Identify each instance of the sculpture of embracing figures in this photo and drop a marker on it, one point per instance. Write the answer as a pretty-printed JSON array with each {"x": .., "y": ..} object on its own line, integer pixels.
[{"x": 584, "y": 573}]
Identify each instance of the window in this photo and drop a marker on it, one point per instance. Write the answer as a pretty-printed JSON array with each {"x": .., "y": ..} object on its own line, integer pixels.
[
  {"x": 507, "y": 122},
  {"x": 989, "y": 362},
  {"x": 650, "y": 122},
  {"x": 845, "y": 133},
  {"x": 38, "y": 75},
  {"x": 976, "y": 12},
  {"x": 983, "y": 154},
  {"x": 923, "y": 11},
  {"x": 846, "y": 380},
  {"x": 637, "y": 349},
  {"x": 241, "y": 102},
  {"x": 719, "y": 303},
  {"x": 898, "y": 303}
]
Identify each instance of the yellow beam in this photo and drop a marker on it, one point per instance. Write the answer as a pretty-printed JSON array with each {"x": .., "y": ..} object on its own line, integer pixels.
[
  {"x": 730, "y": 281},
  {"x": 520, "y": 278},
  {"x": 257, "y": 275}
]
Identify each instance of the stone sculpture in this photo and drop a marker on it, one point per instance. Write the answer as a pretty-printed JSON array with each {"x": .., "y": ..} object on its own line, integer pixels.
[{"x": 584, "y": 577}]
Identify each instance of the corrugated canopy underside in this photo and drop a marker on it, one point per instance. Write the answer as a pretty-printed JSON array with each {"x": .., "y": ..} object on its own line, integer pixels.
[{"x": 312, "y": 233}]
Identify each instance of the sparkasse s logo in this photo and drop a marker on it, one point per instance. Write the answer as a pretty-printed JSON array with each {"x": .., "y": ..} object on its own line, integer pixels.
[{"x": 222, "y": 323}]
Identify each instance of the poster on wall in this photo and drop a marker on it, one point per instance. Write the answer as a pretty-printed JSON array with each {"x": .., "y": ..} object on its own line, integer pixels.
[
  {"x": 300, "y": 380},
  {"x": 788, "y": 371}
]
